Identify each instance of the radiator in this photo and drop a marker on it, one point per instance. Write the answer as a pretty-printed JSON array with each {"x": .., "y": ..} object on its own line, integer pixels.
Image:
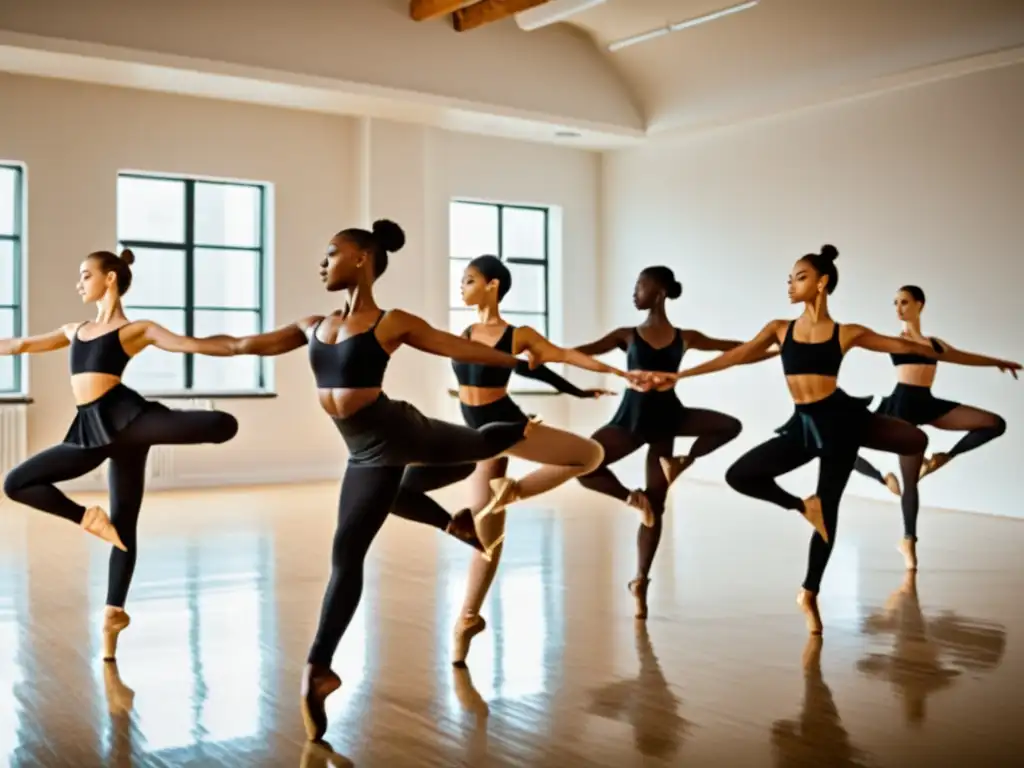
[{"x": 13, "y": 436}]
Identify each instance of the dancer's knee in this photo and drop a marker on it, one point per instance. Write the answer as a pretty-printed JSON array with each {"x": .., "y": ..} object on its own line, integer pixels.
[
  {"x": 999, "y": 427},
  {"x": 737, "y": 477},
  {"x": 731, "y": 429},
  {"x": 917, "y": 444},
  {"x": 225, "y": 428},
  {"x": 593, "y": 457},
  {"x": 14, "y": 484}
]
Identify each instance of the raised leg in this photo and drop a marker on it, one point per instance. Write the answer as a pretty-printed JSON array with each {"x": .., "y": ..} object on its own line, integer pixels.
[
  {"x": 981, "y": 427},
  {"x": 712, "y": 430}
]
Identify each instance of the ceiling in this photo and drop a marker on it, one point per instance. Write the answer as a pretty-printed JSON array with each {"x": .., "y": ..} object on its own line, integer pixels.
[{"x": 786, "y": 51}]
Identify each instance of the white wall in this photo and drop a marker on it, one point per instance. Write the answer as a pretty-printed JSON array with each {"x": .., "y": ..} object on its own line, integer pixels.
[
  {"x": 922, "y": 185},
  {"x": 328, "y": 173}
]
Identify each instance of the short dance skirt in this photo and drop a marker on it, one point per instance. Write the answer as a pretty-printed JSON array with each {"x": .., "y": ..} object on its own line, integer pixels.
[
  {"x": 394, "y": 433},
  {"x": 503, "y": 410},
  {"x": 833, "y": 426},
  {"x": 914, "y": 404},
  {"x": 98, "y": 423},
  {"x": 653, "y": 416}
]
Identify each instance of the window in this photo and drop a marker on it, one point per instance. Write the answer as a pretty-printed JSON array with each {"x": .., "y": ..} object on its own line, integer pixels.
[
  {"x": 199, "y": 270},
  {"x": 11, "y": 207},
  {"x": 518, "y": 235}
]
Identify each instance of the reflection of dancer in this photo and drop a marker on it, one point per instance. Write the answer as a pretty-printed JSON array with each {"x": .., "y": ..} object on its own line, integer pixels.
[
  {"x": 120, "y": 701},
  {"x": 818, "y": 737},
  {"x": 915, "y": 666},
  {"x": 647, "y": 702},
  {"x": 912, "y": 401}
]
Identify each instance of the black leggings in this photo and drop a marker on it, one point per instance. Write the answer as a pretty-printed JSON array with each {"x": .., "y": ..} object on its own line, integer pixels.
[
  {"x": 369, "y": 493},
  {"x": 412, "y": 502},
  {"x": 712, "y": 430},
  {"x": 32, "y": 482},
  {"x": 754, "y": 475}
]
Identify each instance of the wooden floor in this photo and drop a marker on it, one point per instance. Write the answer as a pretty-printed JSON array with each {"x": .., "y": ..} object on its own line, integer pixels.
[{"x": 227, "y": 594}]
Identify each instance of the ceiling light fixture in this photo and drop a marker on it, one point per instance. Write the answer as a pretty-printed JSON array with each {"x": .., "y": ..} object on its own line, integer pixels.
[
  {"x": 643, "y": 37},
  {"x": 552, "y": 12}
]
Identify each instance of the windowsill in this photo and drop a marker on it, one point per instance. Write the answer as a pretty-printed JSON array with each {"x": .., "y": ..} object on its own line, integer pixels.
[
  {"x": 519, "y": 393},
  {"x": 200, "y": 395},
  {"x": 13, "y": 399}
]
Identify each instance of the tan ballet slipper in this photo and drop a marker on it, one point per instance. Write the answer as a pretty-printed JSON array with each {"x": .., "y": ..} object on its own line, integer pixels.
[
  {"x": 908, "y": 548},
  {"x": 317, "y": 684},
  {"x": 933, "y": 464},
  {"x": 96, "y": 522},
  {"x": 638, "y": 500},
  {"x": 673, "y": 466},
  {"x": 638, "y": 589},
  {"x": 808, "y": 602},
  {"x": 812, "y": 513},
  {"x": 461, "y": 527},
  {"x": 893, "y": 484},
  {"x": 504, "y": 491},
  {"x": 466, "y": 628},
  {"x": 115, "y": 620}
]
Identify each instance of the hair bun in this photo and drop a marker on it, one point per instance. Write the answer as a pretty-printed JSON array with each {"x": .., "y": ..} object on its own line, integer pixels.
[
  {"x": 389, "y": 235},
  {"x": 675, "y": 290},
  {"x": 127, "y": 256},
  {"x": 829, "y": 252}
]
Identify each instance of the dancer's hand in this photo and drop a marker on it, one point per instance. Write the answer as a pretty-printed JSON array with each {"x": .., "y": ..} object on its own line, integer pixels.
[
  {"x": 597, "y": 393},
  {"x": 1007, "y": 366}
]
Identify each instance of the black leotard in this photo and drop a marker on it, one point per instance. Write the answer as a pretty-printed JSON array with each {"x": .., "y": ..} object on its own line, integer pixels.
[
  {"x": 801, "y": 358},
  {"x": 478, "y": 375},
  {"x": 358, "y": 362},
  {"x": 104, "y": 354},
  {"x": 911, "y": 359}
]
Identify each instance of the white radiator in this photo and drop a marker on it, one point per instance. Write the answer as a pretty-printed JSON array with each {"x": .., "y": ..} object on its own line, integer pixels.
[{"x": 13, "y": 436}]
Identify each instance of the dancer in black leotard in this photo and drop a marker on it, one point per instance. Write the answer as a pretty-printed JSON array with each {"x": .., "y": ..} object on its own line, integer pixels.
[
  {"x": 654, "y": 415},
  {"x": 349, "y": 353},
  {"x": 113, "y": 422},
  {"x": 912, "y": 401},
  {"x": 828, "y": 423}
]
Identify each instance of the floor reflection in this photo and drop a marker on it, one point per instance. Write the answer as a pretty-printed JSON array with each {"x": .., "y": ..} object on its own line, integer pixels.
[{"x": 928, "y": 655}]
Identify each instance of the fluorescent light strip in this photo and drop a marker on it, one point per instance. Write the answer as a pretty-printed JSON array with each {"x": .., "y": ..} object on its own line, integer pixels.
[
  {"x": 552, "y": 12},
  {"x": 645, "y": 36}
]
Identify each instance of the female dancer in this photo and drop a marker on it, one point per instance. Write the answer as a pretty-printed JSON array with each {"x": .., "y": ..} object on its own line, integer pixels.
[
  {"x": 654, "y": 416},
  {"x": 349, "y": 353},
  {"x": 827, "y": 423},
  {"x": 483, "y": 396},
  {"x": 912, "y": 401},
  {"x": 113, "y": 422}
]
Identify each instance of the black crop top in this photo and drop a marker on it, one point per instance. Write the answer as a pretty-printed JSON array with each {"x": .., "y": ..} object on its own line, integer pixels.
[
  {"x": 358, "y": 362},
  {"x": 477, "y": 375},
  {"x": 802, "y": 358},
  {"x": 641, "y": 356},
  {"x": 104, "y": 354},
  {"x": 911, "y": 359}
]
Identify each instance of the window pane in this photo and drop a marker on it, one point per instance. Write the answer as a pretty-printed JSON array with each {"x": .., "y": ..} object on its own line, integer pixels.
[
  {"x": 8, "y": 197},
  {"x": 7, "y": 382},
  {"x": 225, "y": 374},
  {"x": 460, "y": 319},
  {"x": 154, "y": 370},
  {"x": 538, "y": 322},
  {"x": 529, "y": 289},
  {"x": 227, "y": 215},
  {"x": 473, "y": 230},
  {"x": 8, "y": 291},
  {"x": 150, "y": 209},
  {"x": 455, "y": 269},
  {"x": 522, "y": 234},
  {"x": 227, "y": 278},
  {"x": 158, "y": 278}
]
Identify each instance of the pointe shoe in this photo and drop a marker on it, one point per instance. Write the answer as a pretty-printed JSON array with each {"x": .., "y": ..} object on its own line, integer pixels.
[
  {"x": 461, "y": 527},
  {"x": 114, "y": 622},
  {"x": 96, "y": 522},
  {"x": 808, "y": 602},
  {"x": 639, "y": 501},
  {"x": 893, "y": 484},
  {"x": 505, "y": 491},
  {"x": 638, "y": 589},
  {"x": 466, "y": 629},
  {"x": 937, "y": 461},
  {"x": 812, "y": 513},
  {"x": 317, "y": 684},
  {"x": 908, "y": 548},
  {"x": 673, "y": 466}
]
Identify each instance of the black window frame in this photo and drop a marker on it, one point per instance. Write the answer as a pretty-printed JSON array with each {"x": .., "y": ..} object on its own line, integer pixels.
[
  {"x": 17, "y": 237},
  {"x": 189, "y": 247}
]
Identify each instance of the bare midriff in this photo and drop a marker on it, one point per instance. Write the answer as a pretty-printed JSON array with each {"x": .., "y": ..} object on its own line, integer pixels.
[
  {"x": 811, "y": 387},
  {"x": 343, "y": 403},
  {"x": 916, "y": 375},
  {"x": 476, "y": 396},
  {"x": 90, "y": 387}
]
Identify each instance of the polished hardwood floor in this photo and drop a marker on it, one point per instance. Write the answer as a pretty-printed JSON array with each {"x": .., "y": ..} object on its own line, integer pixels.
[{"x": 911, "y": 672}]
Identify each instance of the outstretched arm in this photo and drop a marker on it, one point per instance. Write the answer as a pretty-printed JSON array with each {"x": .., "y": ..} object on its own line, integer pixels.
[
  {"x": 617, "y": 339},
  {"x": 744, "y": 354},
  {"x": 47, "y": 342},
  {"x": 951, "y": 355},
  {"x": 527, "y": 338},
  {"x": 418, "y": 333},
  {"x": 865, "y": 338},
  {"x": 545, "y": 374},
  {"x": 698, "y": 341},
  {"x": 153, "y": 334}
]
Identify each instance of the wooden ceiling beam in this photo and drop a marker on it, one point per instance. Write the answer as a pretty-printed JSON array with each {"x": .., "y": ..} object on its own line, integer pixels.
[
  {"x": 486, "y": 11},
  {"x": 424, "y": 10}
]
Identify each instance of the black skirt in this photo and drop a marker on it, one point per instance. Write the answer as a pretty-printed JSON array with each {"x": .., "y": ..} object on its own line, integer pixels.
[
  {"x": 394, "y": 433},
  {"x": 830, "y": 427},
  {"x": 503, "y": 410},
  {"x": 98, "y": 423},
  {"x": 652, "y": 416},
  {"x": 914, "y": 404}
]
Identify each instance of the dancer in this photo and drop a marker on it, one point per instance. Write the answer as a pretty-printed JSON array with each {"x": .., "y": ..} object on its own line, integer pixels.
[
  {"x": 654, "y": 416},
  {"x": 484, "y": 399},
  {"x": 912, "y": 401},
  {"x": 349, "y": 353},
  {"x": 113, "y": 422},
  {"x": 827, "y": 423}
]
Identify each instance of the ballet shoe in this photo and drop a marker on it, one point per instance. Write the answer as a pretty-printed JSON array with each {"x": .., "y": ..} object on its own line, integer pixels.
[
  {"x": 933, "y": 464},
  {"x": 120, "y": 698},
  {"x": 114, "y": 622},
  {"x": 893, "y": 484},
  {"x": 317, "y": 684},
  {"x": 504, "y": 491},
  {"x": 96, "y": 522},
  {"x": 673, "y": 466},
  {"x": 461, "y": 527},
  {"x": 908, "y": 548},
  {"x": 466, "y": 629},
  {"x": 808, "y": 602},
  {"x": 812, "y": 513},
  {"x": 638, "y": 589},
  {"x": 639, "y": 501}
]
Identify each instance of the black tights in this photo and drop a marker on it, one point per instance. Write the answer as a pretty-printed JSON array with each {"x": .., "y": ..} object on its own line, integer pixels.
[
  {"x": 755, "y": 472},
  {"x": 32, "y": 482},
  {"x": 981, "y": 427},
  {"x": 712, "y": 430}
]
